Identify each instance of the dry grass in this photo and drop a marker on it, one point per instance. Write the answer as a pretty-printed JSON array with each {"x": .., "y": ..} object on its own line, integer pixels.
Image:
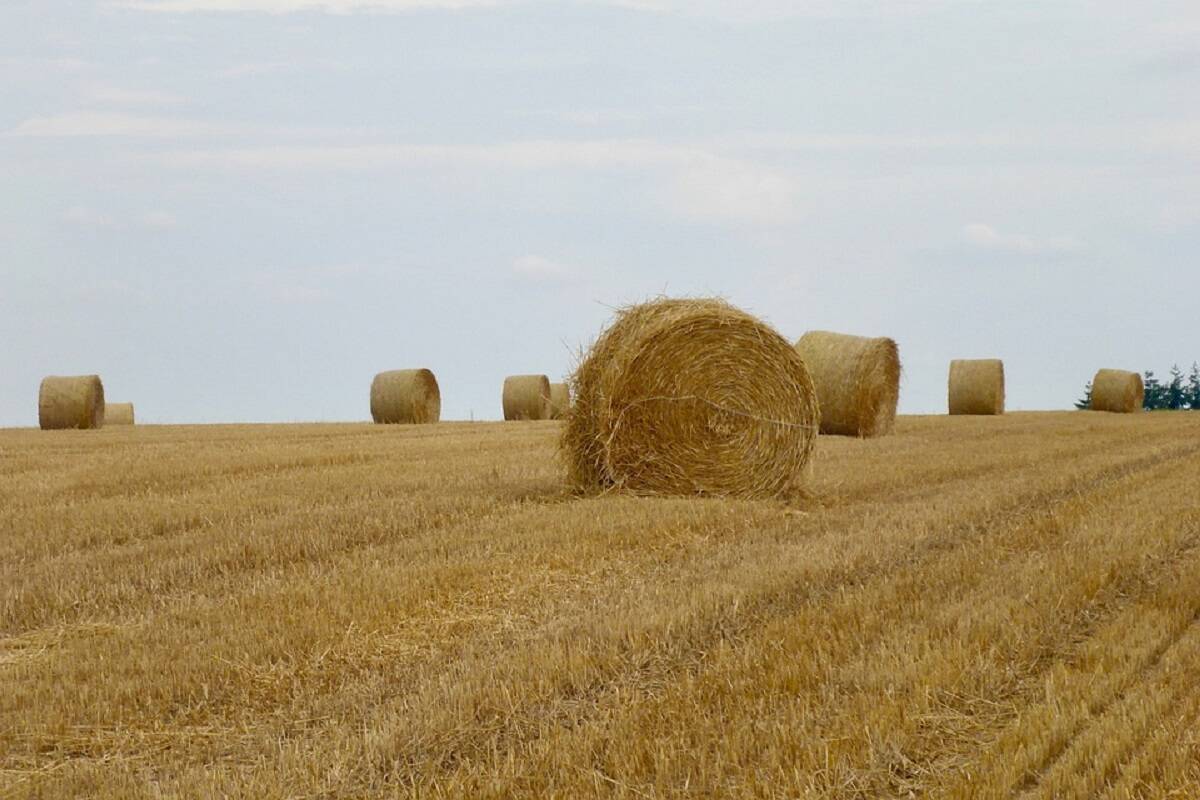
[{"x": 961, "y": 610}]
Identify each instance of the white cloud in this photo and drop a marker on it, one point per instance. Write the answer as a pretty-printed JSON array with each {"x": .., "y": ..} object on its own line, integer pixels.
[
  {"x": 99, "y": 123},
  {"x": 256, "y": 68},
  {"x": 537, "y": 269},
  {"x": 985, "y": 236},
  {"x": 293, "y": 6},
  {"x": 114, "y": 95},
  {"x": 87, "y": 218},
  {"x": 693, "y": 182},
  {"x": 158, "y": 220}
]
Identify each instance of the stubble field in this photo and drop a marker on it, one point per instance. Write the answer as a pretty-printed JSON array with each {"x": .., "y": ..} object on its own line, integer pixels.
[{"x": 973, "y": 607}]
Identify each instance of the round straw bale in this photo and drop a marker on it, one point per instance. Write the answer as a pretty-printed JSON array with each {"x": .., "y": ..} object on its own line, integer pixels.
[
  {"x": 690, "y": 397},
  {"x": 71, "y": 402},
  {"x": 118, "y": 413},
  {"x": 977, "y": 386},
  {"x": 526, "y": 397},
  {"x": 1118, "y": 391},
  {"x": 857, "y": 380},
  {"x": 560, "y": 400},
  {"x": 405, "y": 396}
]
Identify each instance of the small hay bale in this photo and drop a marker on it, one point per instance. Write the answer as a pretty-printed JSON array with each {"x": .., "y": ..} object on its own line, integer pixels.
[
  {"x": 977, "y": 386},
  {"x": 857, "y": 380},
  {"x": 71, "y": 402},
  {"x": 409, "y": 396},
  {"x": 118, "y": 413},
  {"x": 690, "y": 397},
  {"x": 526, "y": 397},
  {"x": 560, "y": 400},
  {"x": 1118, "y": 391}
]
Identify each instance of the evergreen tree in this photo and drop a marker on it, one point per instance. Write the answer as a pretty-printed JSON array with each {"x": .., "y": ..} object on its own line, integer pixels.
[
  {"x": 1175, "y": 393},
  {"x": 1193, "y": 388},
  {"x": 1155, "y": 393},
  {"x": 1085, "y": 402}
]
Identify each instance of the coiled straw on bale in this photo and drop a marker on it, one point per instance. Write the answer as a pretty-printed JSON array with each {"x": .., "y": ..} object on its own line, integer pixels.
[
  {"x": 690, "y": 397},
  {"x": 560, "y": 400},
  {"x": 526, "y": 397},
  {"x": 857, "y": 381},
  {"x": 1118, "y": 391},
  {"x": 405, "y": 396},
  {"x": 118, "y": 413},
  {"x": 71, "y": 402},
  {"x": 976, "y": 386}
]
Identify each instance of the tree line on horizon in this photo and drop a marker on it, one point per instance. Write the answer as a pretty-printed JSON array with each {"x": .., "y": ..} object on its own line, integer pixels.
[{"x": 1177, "y": 393}]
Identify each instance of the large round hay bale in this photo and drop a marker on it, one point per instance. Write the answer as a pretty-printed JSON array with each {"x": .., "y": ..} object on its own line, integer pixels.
[
  {"x": 526, "y": 397},
  {"x": 560, "y": 400},
  {"x": 976, "y": 386},
  {"x": 691, "y": 397},
  {"x": 857, "y": 380},
  {"x": 71, "y": 402},
  {"x": 1118, "y": 391},
  {"x": 118, "y": 413},
  {"x": 405, "y": 396}
]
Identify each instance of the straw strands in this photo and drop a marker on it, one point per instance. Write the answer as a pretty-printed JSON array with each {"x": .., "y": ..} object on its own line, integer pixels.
[
  {"x": 976, "y": 386},
  {"x": 1118, "y": 391},
  {"x": 71, "y": 402},
  {"x": 560, "y": 400},
  {"x": 526, "y": 397},
  {"x": 408, "y": 396},
  {"x": 690, "y": 397},
  {"x": 857, "y": 381},
  {"x": 118, "y": 414}
]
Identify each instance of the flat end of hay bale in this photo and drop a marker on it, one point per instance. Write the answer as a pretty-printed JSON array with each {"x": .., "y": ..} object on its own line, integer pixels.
[
  {"x": 405, "y": 396},
  {"x": 857, "y": 380},
  {"x": 1118, "y": 391},
  {"x": 526, "y": 397},
  {"x": 71, "y": 402},
  {"x": 976, "y": 387},
  {"x": 691, "y": 397}
]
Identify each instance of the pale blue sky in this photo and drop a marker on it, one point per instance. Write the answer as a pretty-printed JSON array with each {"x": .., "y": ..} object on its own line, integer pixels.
[{"x": 241, "y": 210}]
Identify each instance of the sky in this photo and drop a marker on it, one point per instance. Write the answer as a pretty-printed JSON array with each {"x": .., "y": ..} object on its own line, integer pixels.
[{"x": 241, "y": 210}]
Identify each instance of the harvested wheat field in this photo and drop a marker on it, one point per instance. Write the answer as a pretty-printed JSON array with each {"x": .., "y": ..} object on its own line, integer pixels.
[{"x": 969, "y": 608}]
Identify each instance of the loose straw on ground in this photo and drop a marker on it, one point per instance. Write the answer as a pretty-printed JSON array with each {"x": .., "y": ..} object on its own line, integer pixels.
[
  {"x": 857, "y": 381},
  {"x": 691, "y": 397}
]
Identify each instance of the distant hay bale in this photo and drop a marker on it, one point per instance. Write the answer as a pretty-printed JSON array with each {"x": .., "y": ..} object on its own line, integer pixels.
[
  {"x": 118, "y": 413},
  {"x": 857, "y": 380},
  {"x": 1118, "y": 391},
  {"x": 526, "y": 397},
  {"x": 690, "y": 397},
  {"x": 977, "y": 386},
  {"x": 409, "y": 396},
  {"x": 71, "y": 402},
  {"x": 560, "y": 400}
]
